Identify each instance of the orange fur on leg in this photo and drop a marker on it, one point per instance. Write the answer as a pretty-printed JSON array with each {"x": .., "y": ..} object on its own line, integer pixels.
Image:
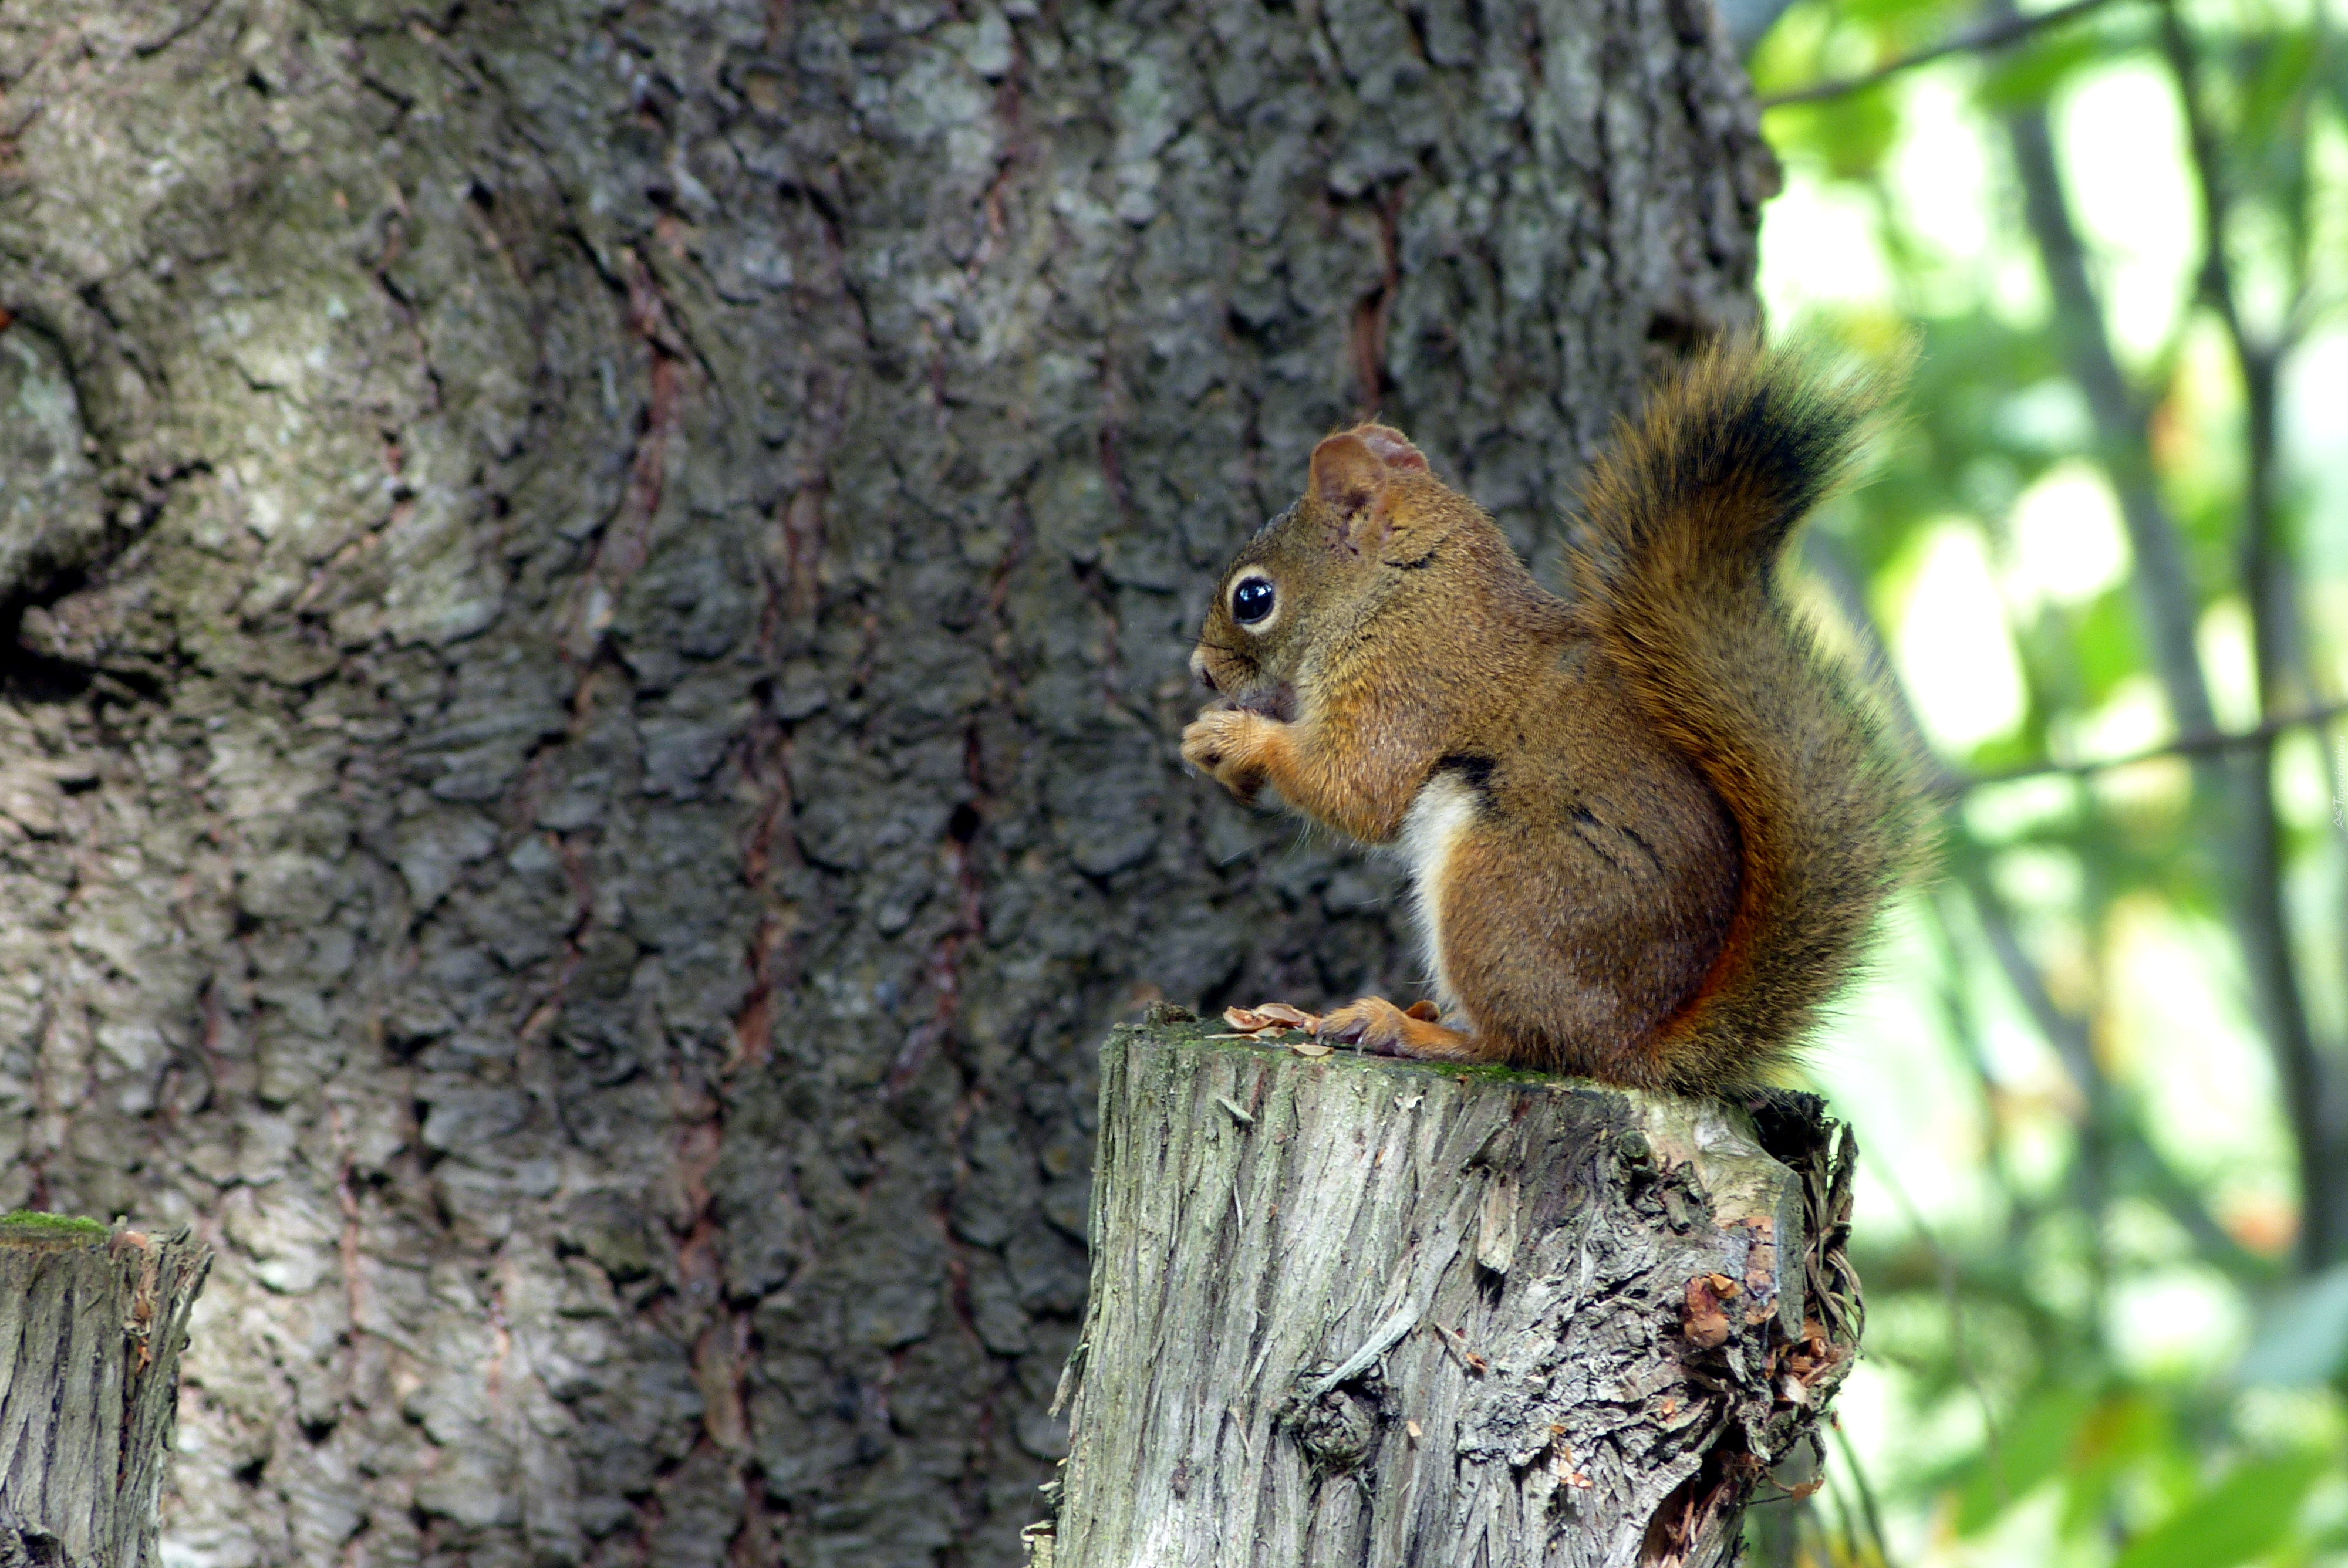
[{"x": 1379, "y": 1027}]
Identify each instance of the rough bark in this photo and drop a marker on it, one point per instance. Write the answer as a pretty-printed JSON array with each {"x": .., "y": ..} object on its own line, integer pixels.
[
  {"x": 595, "y": 739},
  {"x": 92, "y": 1325},
  {"x": 1353, "y": 1311}
]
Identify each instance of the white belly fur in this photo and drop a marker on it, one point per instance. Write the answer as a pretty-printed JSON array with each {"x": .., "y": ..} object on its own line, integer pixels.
[{"x": 1445, "y": 806}]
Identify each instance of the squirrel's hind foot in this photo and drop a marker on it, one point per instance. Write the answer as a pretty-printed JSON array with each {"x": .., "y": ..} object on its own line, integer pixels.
[{"x": 1382, "y": 1029}]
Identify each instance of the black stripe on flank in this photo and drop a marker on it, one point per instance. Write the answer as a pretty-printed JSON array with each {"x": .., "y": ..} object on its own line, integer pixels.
[
  {"x": 1644, "y": 849},
  {"x": 1587, "y": 828},
  {"x": 1474, "y": 769}
]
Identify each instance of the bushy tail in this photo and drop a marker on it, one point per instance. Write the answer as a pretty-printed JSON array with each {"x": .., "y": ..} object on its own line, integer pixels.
[{"x": 1687, "y": 520}]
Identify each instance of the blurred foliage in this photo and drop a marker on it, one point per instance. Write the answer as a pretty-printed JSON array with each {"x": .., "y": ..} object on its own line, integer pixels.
[{"x": 2106, "y": 1232}]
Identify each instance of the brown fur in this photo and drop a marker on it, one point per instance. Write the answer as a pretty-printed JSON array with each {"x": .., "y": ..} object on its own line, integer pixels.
[{"x": 1669, "y": 822}]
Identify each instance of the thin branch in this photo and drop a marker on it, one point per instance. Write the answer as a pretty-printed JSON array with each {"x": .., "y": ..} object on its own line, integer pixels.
[
  {"x": 2163, "y": 582},
  {"x": 2206, "y": 743},
  {"x": 2165, "y": 586},
  {"x": 2113, "y": 1131},
  {"x": 1825, "y": 558},
  {"x": 1866, "y": 1497},
  {"x": 1989, "y": 35},
  {"x": 2112, "y": 1138},
  {"x": 2310, "y": 1090}
]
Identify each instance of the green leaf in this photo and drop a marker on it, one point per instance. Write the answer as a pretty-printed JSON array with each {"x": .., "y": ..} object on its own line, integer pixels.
[
  {"x": 2246, "y": 1515},
  {"x": 2121, "y": 1430},
  {"x": 2285, "y": 67},
  {"x": 1849, "y": 135},
  {"x": 1911, "y": 11},
  {"x": 2109, "y": 646},
  {"x": 2038, "y": 70},
  {"x": 1808, "y": 44},
  {"x": 2027, "y": 1453}
]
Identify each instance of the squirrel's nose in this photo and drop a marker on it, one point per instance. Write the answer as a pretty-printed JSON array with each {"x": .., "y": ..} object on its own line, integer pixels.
[{"x": 1198, "y": 668}]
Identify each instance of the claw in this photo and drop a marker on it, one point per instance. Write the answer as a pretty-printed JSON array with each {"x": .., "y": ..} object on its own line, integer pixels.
[
  {"x": 1381, "y": 1029},
  {"x": 1223, "y": 744}
]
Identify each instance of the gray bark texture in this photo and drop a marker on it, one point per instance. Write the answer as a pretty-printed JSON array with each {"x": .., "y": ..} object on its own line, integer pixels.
[
  {"x": 602, "y": 592},
  {"x": 92, "y": 1325},
  {"x": 1347, "y": 1310}
]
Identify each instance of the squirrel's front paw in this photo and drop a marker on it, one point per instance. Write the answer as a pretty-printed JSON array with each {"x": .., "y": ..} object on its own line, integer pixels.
[{"x": 1228, "y": 743}]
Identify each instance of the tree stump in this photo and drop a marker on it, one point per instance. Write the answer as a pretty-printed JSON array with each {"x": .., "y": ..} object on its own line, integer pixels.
[
  {"x": 92, "y": 1322},
  {"x": 1353, "y": 1310}
]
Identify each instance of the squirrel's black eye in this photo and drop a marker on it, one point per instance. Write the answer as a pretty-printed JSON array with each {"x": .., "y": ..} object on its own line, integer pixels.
[{"x": 1252, "y": 601}]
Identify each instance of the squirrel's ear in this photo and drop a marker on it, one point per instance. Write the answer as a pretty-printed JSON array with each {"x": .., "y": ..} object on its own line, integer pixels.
[
  {"x": 1346, "y": 475},
  {"x": 1392, "y": 447},
  {"x": 1350, "y": 470}
]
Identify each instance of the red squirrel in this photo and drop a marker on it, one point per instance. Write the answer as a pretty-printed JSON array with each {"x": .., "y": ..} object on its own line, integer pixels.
[{"x": 1647, "y": 826}]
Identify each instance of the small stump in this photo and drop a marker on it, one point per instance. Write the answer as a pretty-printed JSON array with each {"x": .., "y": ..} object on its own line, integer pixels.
[
  {"x": 1353, "y": 1310},
  {"x": 92, "y": 1321}
]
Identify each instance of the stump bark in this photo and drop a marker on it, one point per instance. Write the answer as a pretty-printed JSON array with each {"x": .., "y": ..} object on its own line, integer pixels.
[
  {"x": 1354, "y": 1310},
  {"x": 92, "y": 1322}
]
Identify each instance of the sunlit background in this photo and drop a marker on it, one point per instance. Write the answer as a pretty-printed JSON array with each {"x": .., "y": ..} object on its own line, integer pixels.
[{"x": 2100, "y": 1076}]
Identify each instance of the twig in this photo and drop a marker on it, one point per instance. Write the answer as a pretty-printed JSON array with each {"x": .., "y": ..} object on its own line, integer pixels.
[
  {"x": 2200, "y": 743},
  {"x": 1989, "y": 35},
  {"x": 1952, "y": 1294},
  {"x": 2265, "y": 920},
  {"x": 2164, "y": 584},
  {"x": 1960, "y": 1008},
  {"x": 2068, "y": 1035},
  {"x": 2163, "y": 579},
  {"x": 2113, "y": 1141},
  {"x": 1384, "y": 1338},
  {"x": 1866, "y": 1497}
]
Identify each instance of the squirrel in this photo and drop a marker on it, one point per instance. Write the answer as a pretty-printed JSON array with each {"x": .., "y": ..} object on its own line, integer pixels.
[{"x": 1649, "y": 824}]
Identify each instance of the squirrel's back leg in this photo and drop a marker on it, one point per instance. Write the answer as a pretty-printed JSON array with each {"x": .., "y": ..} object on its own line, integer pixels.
[
  {"x": 1441, "y": 818},
  {"x": 1377, "y": 1026},
  {"x": 1563, "y": 922}
]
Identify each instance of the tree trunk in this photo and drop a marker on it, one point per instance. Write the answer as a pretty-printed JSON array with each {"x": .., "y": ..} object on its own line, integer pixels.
[
  {"x": 92, "y": 1322},
  {"x": 603, "y": 599},
  {"x": 1353, "y": 1311}
]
